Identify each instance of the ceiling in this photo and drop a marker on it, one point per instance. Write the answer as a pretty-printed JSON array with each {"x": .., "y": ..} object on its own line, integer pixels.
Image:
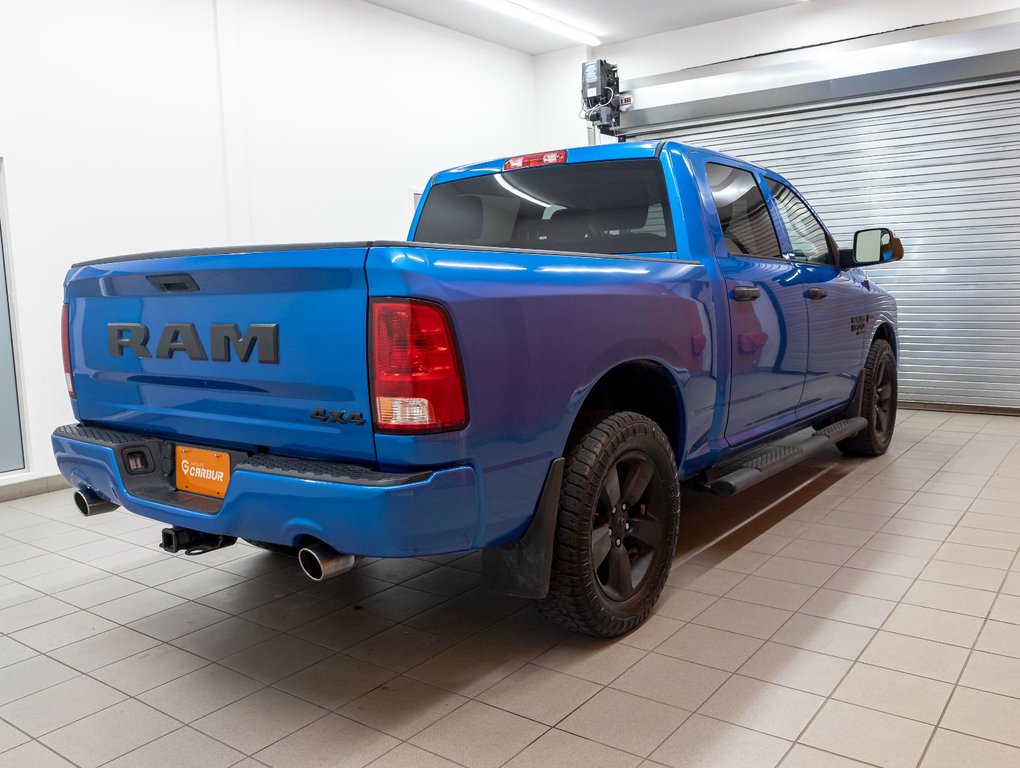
[{"x": 610, "y": 20}]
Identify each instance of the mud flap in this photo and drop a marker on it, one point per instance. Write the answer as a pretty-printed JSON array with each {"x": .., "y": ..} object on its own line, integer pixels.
[{"x": 522, "y": 568}]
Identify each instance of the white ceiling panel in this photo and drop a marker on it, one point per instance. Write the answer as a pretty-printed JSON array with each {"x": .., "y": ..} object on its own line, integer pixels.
[{"x": 610, "y": 20}]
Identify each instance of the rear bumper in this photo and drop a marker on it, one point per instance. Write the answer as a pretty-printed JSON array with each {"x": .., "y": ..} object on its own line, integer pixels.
[{"x": 352, "y": 509}]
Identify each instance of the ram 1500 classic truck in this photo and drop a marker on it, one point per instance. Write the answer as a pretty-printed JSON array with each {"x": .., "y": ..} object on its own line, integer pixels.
[{"x": 563, "y": 339}]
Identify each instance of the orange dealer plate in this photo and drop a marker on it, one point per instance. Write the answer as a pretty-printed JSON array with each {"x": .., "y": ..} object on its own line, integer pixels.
[{"x": 203, "y": 471}]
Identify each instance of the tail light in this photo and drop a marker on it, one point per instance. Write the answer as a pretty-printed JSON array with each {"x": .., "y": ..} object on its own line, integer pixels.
[
  {"x": 539, "y": 158},
  {"x": 417, "y": 382},
  {"x": 65, "y": 345}
]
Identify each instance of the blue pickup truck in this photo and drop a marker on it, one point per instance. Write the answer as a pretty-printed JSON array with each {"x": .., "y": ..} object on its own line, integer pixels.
[{"x": 564, "y": 338}]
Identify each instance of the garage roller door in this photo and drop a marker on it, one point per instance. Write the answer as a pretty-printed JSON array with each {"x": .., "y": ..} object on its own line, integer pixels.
[{"x": 942, "y": 168}]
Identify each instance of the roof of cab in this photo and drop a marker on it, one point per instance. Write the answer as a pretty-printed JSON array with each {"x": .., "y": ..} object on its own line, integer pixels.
[{"x": 629, "y": 150}]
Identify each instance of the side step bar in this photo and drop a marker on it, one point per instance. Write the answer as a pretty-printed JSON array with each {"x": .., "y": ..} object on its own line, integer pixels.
[{"x": 776, "y": 458}]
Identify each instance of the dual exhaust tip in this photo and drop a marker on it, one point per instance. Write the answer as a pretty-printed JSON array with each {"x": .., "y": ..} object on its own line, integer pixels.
[
  {"x": 89, "y": 503},
  {"x": 318, "y": 561}
]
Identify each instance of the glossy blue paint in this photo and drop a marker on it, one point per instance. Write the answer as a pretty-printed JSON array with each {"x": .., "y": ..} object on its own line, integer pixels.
[{"x": 536, "y": 331}]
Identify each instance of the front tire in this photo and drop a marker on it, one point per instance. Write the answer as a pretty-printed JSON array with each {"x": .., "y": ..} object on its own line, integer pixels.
[
  {"x": 878, "y": 404},
  {"x": 617, "y": 527}
]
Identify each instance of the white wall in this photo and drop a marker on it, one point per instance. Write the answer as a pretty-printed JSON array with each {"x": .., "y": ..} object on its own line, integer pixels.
[{"x": 134, "y": 125}]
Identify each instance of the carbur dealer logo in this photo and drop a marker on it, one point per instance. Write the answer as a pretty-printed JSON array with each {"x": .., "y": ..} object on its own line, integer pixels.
[{"x": 202, "y": 473}]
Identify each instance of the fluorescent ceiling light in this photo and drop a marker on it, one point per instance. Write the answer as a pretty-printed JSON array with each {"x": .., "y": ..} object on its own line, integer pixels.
[{"x": 536, "y": 19}]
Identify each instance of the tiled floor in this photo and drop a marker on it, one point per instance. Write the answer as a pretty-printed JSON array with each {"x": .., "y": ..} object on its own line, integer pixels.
[{"x": 867, "y": 613}]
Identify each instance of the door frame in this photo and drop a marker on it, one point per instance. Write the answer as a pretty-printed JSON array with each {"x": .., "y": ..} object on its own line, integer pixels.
[{"x": 16, "y": 351}]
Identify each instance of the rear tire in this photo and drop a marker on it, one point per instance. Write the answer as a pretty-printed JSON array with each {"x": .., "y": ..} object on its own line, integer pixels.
[
  {"x": 617, "y": 527},
  {"x": 878, "y": 404}
]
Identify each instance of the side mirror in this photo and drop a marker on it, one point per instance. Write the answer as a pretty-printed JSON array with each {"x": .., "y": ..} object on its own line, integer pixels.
[{"x": 872, "y": 246}]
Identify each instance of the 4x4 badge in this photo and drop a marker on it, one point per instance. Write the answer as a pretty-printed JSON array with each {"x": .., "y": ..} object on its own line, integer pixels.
[{"x": 338, "y": 417}]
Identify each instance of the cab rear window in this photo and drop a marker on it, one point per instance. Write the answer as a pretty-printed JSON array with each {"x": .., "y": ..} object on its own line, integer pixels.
[{"x": 616, "y": 207}]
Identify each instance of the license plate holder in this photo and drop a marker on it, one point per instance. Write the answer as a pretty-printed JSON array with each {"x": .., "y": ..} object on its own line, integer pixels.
[{"x": 202, "y": 471}]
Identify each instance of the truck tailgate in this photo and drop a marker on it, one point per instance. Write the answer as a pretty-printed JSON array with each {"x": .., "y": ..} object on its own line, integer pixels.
[{"x": 264, "y": 349}]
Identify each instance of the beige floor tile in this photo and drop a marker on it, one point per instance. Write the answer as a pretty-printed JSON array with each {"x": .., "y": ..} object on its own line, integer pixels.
[
  {"x": 835, "y": 638},
  {"x": 446, "y": 581},
  {"x": 256, "y": 721},
  {"x": 397, "y": 569},
  {"x": 471, "y": 666},
  {"x": 832, "y": 534},
  {"x": 1000, "y": 637},
  {"x": 456, "y": 736},
  {"x": 178, "y": 621},
  {"x": 68, "y": 629},
  {"x": 892, "y": 742},
  {"x": 682, "y": 604},
  {"x": 150, "y": 668},
  {"x": 671, "y": 681},
  {"x": 760, "y": 706},
  {"x": 136, "y": 606},
  {"x": 224, "y": 639},
  {"x": 807, "y": 671},
  {"x": 897, "y": 693},
  {"x": 401, "y": 756},
  {"x": 11, "y": 652},
  {"x": 342, "y": 629},
  {"x": 818, "y": 551},
  {"x": 590, "y": 659},
  {"x": 335, "y": 680},
  {"x": 990, "y": 522},
  {"x": 32, "y": 612},
  {"x": 114, "y": 731},
  {"x": 403, "y": 706},
  {"x": 772, "y": 593},
  {"x": 625, "y": 722},
  {"x": 994, "y": 673},
  {"x": 887, "y": 562},
  {"x": 32, "y": 754},
  {"x": 932, "y": 624},
  {"x": 565, "y": 750},
  {"x": 869, "y": 507},
  {"x": 276, "y": 658},
  {"x": 743, "y": 561},
  {"x": 30, "y": 676},
  {"x": 543, "y": 694},
  {"x": 455, "y": 619},
  {"x": 869, "y": 583},
  {"x": 702, "y": 742},
  {"x": 768, "y": 543},
  {"x": 1009, "y": 542},
  {"x": 918, "y": 529},
  {"x": 244, "y": 596},
  {"x": 797, "y": 571},
  {"x": 743, "y": 618},
  {"x": 930, "y": 514},
  {"x": 956, "y": 750},
  {"x": 947, "y": 597},
  {"x": 991, "y": 507},
  {"x": 1011, "y": 586},
  {"x": 713, "y": 581},
  {"x": 972, "y": 555},
  {"x": 203, "y": 583},
  {"x": 334, "y": 741},
  {"x": 937, "y": 661},
  {"x": 200, "y": 692},
  {"x": 809, "y": 757},
  {"x": 60, "y": 705},
  {"x": 653, "y": 632},
  {"x": 1006, "y": 608},
  {"x": 911, "y": 546},
  {"x": 861, "y": 522},
  {"x": 881, "y": 492},
  {"x": 986, "y": 715},
  {"x": 711, "y": 647},
  {"x": 958, "y": 574},
  {"x": 166, "y": 752},
  {"x": 852, "y": 609}
]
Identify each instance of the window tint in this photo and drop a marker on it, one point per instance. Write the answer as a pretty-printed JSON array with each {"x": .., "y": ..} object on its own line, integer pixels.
[
  {"x": 807, "y": 238},
  {"x": 617, "y": 206},
  {"x": 746, "y": 224}
]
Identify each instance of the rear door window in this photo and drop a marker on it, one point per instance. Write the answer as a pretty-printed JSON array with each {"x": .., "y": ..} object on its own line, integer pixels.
[
  {"x": 746, "y": 223},
  {"x": 617, "y": 206}
]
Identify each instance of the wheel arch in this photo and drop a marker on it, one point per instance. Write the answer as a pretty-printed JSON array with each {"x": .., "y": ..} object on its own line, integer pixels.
[
  {"x": 886, "y": 332},
  {"x": 643, "y": 386}
]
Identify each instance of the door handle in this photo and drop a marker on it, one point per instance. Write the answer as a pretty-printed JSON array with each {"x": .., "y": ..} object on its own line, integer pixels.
[
  {"x": 746, "y": 293},
  {"x": 817, "y": 293}
]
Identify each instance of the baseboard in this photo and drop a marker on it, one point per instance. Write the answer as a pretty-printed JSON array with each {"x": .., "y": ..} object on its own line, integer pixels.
[
  {"x": 32, "y": 487},
  {"x": 988, "y": 410}
]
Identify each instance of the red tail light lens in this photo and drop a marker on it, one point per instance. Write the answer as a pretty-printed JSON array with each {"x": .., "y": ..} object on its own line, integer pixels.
[
  {"x": 417, "y": 382},
  {"x": 65, "y": 344},
  {"x": 539, "y": 158}
]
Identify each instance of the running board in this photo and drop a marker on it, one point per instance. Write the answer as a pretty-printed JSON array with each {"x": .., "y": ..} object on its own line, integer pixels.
[{"x": 772, "y": 459}]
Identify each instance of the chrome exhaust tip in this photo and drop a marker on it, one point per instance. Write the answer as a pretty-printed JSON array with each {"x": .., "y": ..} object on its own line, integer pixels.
[
  {"x": 89, "y": 503},
  {"x": 320, "y": 562}
]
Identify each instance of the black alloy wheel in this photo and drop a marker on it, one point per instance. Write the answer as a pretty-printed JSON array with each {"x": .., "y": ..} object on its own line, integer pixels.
[{"x": 878, "y": 403}]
